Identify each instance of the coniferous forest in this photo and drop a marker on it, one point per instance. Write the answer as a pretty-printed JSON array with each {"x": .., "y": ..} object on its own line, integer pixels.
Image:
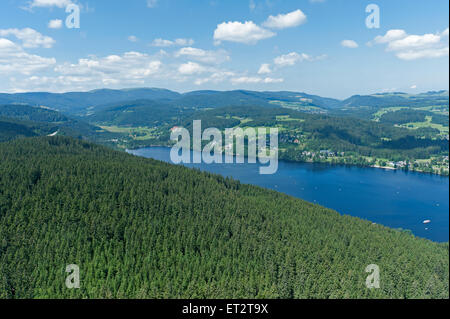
[{"x": 139, "y": 228}]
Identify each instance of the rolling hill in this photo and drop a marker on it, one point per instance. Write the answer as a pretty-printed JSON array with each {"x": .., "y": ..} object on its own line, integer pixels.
[
  {"x": 87, "y": 102},
  {"x": 139, "y": 113},
  {"x": 397, "y": 99},
  {"x": 82, "y": 102},
  {"x": 24, "y": 120},
  {"x": 10, "y": 129}
]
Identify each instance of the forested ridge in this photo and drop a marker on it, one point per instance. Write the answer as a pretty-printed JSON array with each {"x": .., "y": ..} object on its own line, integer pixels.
[
  {"x": 404, "y": 138},
  {"x": 139, "y": 228}
]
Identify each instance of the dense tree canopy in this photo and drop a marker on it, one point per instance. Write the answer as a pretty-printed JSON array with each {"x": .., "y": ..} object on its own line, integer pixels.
[{"x": 140, "y": 228}]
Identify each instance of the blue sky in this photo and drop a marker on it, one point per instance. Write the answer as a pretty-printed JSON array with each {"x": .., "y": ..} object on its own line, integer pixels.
[{"x": 316, "y": 46}]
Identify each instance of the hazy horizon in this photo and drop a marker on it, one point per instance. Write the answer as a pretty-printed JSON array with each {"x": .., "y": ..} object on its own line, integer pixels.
[{"x": 233, "y": 90}]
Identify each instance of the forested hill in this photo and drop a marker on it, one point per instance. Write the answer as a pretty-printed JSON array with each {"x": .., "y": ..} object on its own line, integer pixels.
[
  {"x": 139, "y": 228},
  {"x": 84, "y": 103},
  {"x": 24, "y": 121}
]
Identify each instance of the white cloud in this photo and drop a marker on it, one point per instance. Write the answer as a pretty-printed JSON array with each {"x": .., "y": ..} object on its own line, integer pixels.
[
  {"x": 55, "y": 24},
  {"x": 30, "y": 38},
  {"x": 427, "y": 53},
  {"x": 412, "y": 47},
  {"x": 215, "y": 77},
  {"x": 14, "y": 60},
  {"x": 264, "y": 69},
  {"x": 272, "y": 80},
  {"x": 287, "y": 59},
  {"x": 133, "y": 38},
  {"x": 246, "y": 79},
  {"x": 291, "y": 59},
  {"x": 283, "y": 21},
  {"x": 21, "y": 71},
  {"x": 170, "y": 43},
  {"x": 25, "y": 72},
  {"x": 6, "y": 44},
  {"x": 247, "y": 32},
  {"x": 414, "y": 41},
  {"x": 413, "y": 86},
  {"x": 191, "y": 68},
  {"x": 183, "y": 42},
  {"x": 50, "y": 3},
  {"x": 129, "y": 68},
  {"x": 152, "y": 3},
  {"x": 444, "y": 33},
  {"x": 391, "y": 35},
  {"x": 349, "y": 44},
  {"x": 254, "y": 80},
  {"x": 210, "y": 57},
  {"x": 162, "y": 43}
]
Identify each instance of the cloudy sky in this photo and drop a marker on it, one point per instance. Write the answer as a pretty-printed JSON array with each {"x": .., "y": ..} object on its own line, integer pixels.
[{"x": 316, "y": 46}]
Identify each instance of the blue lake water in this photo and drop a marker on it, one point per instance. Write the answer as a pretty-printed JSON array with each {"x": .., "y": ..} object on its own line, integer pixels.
[{"x": 395, "y": 199}]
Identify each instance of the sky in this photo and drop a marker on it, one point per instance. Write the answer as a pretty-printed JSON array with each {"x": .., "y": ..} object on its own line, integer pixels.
[{"x": 333, "y": 48}]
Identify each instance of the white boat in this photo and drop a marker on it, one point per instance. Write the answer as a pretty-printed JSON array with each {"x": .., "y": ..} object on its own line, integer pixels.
[
  {"x": 53, "y": 134},
  {"x": 427, "y": 221}
]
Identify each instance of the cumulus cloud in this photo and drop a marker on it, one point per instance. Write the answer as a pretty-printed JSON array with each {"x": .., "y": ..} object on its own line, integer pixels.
[
  {"x": 30, "y": 38},
  {"x": 201, "y": 74},
  {"x": 6, "y": 44},
  {"x": 390, "y": 35},
  {"x": 215, "y": 77},
  {"x": 170, "y": 43},
  {"x": 28, "y": 72},
  {"x": 291, "y": 59},
  {"x": 55, "y": 24},
  {"x": 247, "y": 32},
  {"x": 50, "y": 3},
  {"x": 210, "y": 57},
  {"x": 14, "y": 60},
  {"x": 287, "y": 59},
  {"x": 349, "y": 44},
  {"x": 414, "y": 41},
  {"x": 289, "y": 20},
  {"x": 190, "y": 68},
  {"x": 445, "y": 33},
  {"x": 412, "y": 47},
  {"x": 264, "y": 69},
  {"x": 131, "y": 68}
]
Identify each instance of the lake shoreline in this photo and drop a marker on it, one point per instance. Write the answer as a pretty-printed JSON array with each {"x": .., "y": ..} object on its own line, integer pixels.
[
  {"x": 389, "y": 168},
  {"x": 394, "y": 198}
]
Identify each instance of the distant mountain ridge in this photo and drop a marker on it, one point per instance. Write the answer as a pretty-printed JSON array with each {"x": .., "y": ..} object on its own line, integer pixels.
[
  {"x": 75, "y": 102},
  {"x": 398, "y": 99},
  {"x": 82, "y": 103}
]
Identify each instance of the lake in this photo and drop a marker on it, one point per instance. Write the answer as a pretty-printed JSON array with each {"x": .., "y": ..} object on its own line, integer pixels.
[{"x": 396, "y": 199}]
